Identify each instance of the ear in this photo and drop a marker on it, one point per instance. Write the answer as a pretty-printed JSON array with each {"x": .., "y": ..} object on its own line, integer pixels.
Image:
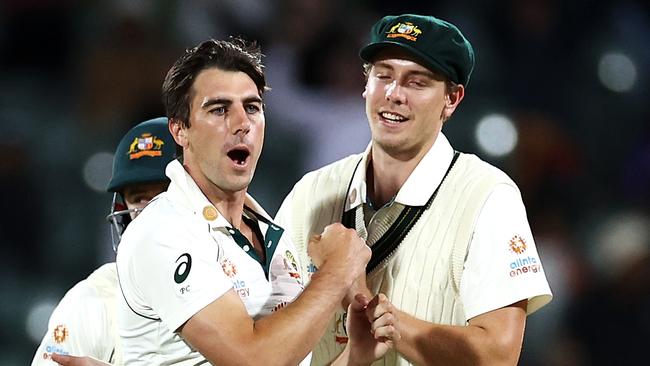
[
  {"x": 178, "y": 132},
  {"x": 453, "y": 97},
  {"x": 365, "y": 91}
]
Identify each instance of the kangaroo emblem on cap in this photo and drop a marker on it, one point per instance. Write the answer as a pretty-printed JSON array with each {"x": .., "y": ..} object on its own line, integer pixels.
[
  {"x": 146, "y": 145},
  {"x": 405, "y": 30}
]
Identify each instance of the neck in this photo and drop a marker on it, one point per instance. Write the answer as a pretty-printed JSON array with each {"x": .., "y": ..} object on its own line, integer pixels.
[
  {"x": 229, "y": 204},
  {"x": 231, "y": 209},
  {"x": 387, "y": 173}
]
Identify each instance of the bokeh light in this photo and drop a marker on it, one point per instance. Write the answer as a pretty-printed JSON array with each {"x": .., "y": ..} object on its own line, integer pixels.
[
  {"x": 97, "y": 171},
  {"x": 617, "y": 72},
  {"x": 37, "y": 318},
  {"x": 496, "y": 135},
  {"x": 619, "y": 241}
]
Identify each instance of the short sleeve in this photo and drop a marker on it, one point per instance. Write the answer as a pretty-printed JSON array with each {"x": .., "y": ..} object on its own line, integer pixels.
[
  {"x": 176, "y": 274},
  {"x": 502, "y": 266},
  {"x": 79, "y": 326}
]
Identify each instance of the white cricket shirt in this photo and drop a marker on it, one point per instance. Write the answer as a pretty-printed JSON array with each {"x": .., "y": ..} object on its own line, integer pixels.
[
  {"x": 502, "y": 265},
  {"x": 83, "y": 323},
  {"x": 179, "y": 255}
]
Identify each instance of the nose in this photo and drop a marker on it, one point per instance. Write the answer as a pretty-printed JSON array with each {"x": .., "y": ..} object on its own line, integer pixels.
[
  {"x": 239, "y": 121},
  {"x": 394, "y": 93}
]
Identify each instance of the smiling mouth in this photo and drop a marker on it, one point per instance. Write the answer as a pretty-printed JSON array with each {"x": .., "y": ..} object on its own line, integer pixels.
[
  {"x": 392, "y": 117},
  {"x": 239, "y": 155}
]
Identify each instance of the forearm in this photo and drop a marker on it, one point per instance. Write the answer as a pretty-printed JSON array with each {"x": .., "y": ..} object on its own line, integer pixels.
[
  {"x": 345, "y": 359},
  {"x": 287, "y": 335},
  {"x": 358, "y": 287},
  {"x": 426, "y": 343},
  {"x": 315, "y": 306}
]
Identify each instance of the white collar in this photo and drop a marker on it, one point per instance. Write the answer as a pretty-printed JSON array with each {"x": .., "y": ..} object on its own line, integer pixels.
[
  {"x": 419, "y": 186},
  {"x": 184, "y": 191}
]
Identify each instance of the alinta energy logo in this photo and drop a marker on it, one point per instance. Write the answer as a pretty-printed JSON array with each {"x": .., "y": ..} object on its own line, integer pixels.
[
  {"x": 239, "y": 285},
  {"x": 60, "y": 333},
  {"x": 520, "y": 266},
  {"x": 517, "y": 245},
  {"x": 229, "y": 268}
]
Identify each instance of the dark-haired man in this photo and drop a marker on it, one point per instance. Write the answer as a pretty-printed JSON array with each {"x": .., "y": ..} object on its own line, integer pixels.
[{"x": 206, "y": 276}]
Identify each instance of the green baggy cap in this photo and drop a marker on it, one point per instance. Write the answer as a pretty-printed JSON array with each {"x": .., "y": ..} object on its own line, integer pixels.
[{"x": 438, "y": 44}]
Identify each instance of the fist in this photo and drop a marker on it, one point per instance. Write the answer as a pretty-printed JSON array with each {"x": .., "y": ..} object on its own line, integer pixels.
[{"x": 339, "y": 246}]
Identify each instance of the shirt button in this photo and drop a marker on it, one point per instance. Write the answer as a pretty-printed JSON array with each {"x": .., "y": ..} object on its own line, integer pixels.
[
  {"x": 246, "y": 248},
  {"x": 231, "y": 231}
]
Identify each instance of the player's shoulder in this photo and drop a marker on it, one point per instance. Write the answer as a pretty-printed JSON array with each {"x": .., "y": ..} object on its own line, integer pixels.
[
  {"x": 107, "y": 271},
  {"x": 473, "y": 167},
  {"x": 103, "y": 276},
  {"x": 160, "y": 221},
  {"x": 160, "y": 210},
  {"x": 87, "y": 294}
]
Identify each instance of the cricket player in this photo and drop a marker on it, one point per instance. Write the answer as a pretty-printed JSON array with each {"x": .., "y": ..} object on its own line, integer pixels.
[
  {"x": 206, "y": 275},
  {"x": 84, "y": 322},
  {"x": 451, "y": 245}
]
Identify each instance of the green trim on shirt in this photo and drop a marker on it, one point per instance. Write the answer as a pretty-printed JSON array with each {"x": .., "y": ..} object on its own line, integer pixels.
[{"x": 271, "y": 238}]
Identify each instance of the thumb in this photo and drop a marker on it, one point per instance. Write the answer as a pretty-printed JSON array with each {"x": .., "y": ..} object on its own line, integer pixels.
[
  {"x": 61, "y": 359},
  {"x": 359, "y": 303}
]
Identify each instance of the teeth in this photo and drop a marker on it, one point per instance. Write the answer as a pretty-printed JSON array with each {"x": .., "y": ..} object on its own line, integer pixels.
[{"x": 392, "y": 117}]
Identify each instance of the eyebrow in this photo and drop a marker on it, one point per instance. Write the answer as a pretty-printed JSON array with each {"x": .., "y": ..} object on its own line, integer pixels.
[
  {"x": 425, "y": 73},
  {"x": 136, "y": 191},
  {"x": 226, "y": 101},
  {"x": 212, "y": 101}
]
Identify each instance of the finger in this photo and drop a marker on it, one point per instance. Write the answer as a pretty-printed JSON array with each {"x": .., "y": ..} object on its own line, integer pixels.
[
  {"x": 312, "y": 249},
  {"x": 362, "y": 298},
  {"x": 378, "y": 306},
  {"x": 374, "y": 301},
  {"x": 334, "y": 227},
  {"x": 315, "y": 239},
  {"x": 358, "y": 305},
  {"x": 62, "y": 359},
  {"x": 387, "y": 332},
  {"x": 382, "y": 321}
]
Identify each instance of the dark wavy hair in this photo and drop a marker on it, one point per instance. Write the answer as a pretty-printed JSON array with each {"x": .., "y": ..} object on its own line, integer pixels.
[{"x": 234, "y": 54}]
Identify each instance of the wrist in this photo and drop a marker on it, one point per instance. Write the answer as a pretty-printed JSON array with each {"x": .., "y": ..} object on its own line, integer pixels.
[
  {"x": 340, "y": 273},
  {"x": 347, "y": 358}
]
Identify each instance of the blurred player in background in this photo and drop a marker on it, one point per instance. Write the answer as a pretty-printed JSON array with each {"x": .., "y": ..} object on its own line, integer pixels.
[{"x": 83, "y": 322}]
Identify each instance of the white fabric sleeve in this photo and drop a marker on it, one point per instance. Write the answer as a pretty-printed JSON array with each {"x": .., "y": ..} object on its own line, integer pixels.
[
  {"x": 179, "y": 274},
  {"x": 502, "y": 265},
  {"x": 78, "y": 326},
  {"x": 284, "y": 215}
]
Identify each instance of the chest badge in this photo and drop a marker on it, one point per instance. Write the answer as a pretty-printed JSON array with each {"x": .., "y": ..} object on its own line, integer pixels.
[{"x": 210, "y": 213}]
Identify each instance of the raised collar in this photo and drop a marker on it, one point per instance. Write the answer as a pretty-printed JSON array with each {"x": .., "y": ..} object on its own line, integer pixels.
[
  {"x": 184, "y": 191},
  {"x": 419, "y": 186}
]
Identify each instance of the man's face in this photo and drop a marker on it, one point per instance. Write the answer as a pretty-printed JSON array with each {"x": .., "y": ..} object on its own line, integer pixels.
[
  {"x": 405, "y": 104},
  {"x": 138, "y": 196},
  {"x": 226, "y": 133}
]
